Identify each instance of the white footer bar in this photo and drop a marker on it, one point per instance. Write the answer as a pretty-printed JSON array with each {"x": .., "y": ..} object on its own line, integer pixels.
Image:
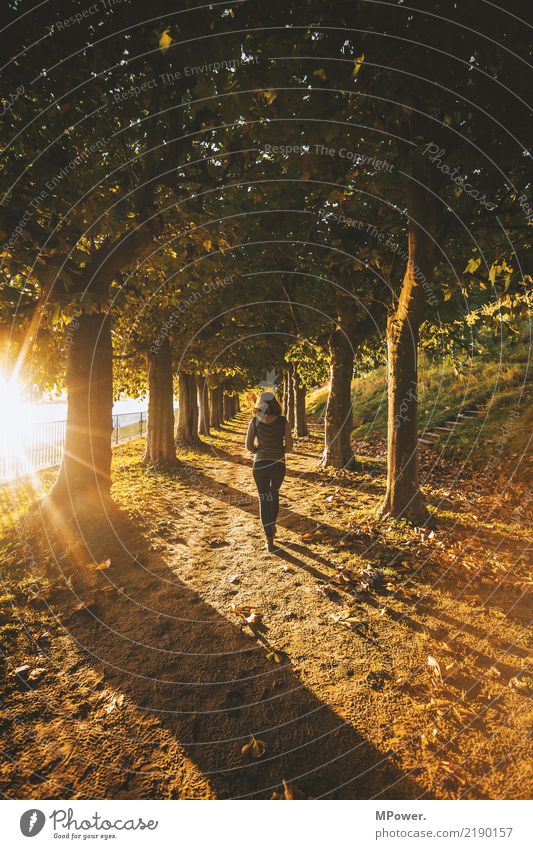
[{"x": 267, "y": 825}]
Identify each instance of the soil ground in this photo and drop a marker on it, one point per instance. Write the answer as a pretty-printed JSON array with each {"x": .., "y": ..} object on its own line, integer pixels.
[{"x": 382, "y": 661}]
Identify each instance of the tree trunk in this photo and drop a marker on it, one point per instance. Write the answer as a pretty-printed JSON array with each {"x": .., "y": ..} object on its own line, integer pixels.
[
  {"x": 85, "y": 472},
  {"x": 300, "y": 423},
  {"x": 339, "y": 416},
  {"x": 216, "y": 407},
  {"x": 282, "y": 392},
  {"x": 227, "y": 407},
  {"x": 237, "y": 404},
  {"x": 403, "y": 497},
  {"x": 204, "y": 421},
  {"x": 160, "y": 445},
  {"x": 220, "y": 403},
  {"x": 187, "y": 432},
  {"x": 290, "y": 405}
]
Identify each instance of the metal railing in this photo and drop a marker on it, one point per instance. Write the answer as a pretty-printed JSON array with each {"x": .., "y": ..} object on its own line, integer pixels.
[
  {"x": 38, "y": 446},
  {"x": 129, "y": 426}
]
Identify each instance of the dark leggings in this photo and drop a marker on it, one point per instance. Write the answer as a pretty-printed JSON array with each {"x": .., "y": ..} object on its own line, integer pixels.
[{"x": 268, "y": 476}]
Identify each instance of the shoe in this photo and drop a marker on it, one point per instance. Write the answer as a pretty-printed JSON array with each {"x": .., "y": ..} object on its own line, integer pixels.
[{"x": 269, "y": 544}]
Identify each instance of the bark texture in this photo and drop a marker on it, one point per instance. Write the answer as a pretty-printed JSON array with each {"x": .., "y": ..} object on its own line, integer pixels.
[
  {"x": 339, "y": 415},
  {"x": 215, "y": 403},
  {"x": 204, "y": 421},
  {"x": 160, "y": 445},
  {"x": 228, "y": 407},
  {"x": 86, "y": 466},
  {"x": 403, "y": 498},
  {"x": 187, "y": 430},
  {"x": 85, "y": 473},
  {"x": 290, "y": 402},
  {"x": 300, "y": 423}
]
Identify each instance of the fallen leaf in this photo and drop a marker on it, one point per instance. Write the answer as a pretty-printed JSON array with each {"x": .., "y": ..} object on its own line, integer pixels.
[
  {"x": 435, "y": 667},
  {"x": 44, "y": 637},
  {"x": 37, "y": 673},
  {"x": 250, "y": 615},
  {"x": 257, "y": 748},
  {"x": 286, "y": 794},
  {"x": 83, "y": 605},
  {"x": 253, "y": 619},
  {"x": 517, "y": 684},
  {"x": 114, "y": 702},
  {"x": 275, "y": 655},
  {"x": 217, "y": 542},
  {"x": 493, "y": 672}
]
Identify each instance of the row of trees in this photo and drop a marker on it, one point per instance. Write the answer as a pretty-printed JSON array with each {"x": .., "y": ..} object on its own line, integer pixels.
[{"x": 276, "y": 186}]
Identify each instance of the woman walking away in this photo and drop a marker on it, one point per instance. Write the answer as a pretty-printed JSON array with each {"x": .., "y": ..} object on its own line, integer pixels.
[{"x": 268, "y": 438}]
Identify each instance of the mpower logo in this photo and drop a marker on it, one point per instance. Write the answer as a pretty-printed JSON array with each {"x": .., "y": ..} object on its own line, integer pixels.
[{"x": 32, "y": 822}]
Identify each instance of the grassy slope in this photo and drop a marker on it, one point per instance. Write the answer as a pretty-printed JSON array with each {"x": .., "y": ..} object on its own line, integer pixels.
[{"x": 498, "y": 384}]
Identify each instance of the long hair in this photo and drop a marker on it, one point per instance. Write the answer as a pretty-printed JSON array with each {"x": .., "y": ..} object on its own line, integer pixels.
[{"x": 267, "y": 404}]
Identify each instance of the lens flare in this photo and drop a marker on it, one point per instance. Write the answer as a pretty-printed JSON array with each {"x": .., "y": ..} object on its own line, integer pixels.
[{"x": 14, "y": 415}]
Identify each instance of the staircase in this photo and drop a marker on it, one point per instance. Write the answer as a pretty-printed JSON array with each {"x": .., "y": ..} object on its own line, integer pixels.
[{"x": 431, "y": 437}]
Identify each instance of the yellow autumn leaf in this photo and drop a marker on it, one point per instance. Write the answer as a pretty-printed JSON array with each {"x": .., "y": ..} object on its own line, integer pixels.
[
  {"x": 269, "y": 96},
  {"x": 101, "y": 567},
  {"x": 165, "y": 40},
  {"x": 358, "y": 64}
]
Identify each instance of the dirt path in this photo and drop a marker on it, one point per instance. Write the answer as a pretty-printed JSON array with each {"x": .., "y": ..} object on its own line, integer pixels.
[{"x": 154, "y": 687}]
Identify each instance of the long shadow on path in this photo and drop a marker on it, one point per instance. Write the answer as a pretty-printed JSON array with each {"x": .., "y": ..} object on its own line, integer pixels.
[
  {"x": 287, "y": 518},
  {"x": 312, "y": 476},
  {"x": 212, "y": 686}
]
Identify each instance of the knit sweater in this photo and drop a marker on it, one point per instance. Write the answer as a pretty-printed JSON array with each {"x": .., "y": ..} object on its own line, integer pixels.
[{"x": 267, "y": 441}]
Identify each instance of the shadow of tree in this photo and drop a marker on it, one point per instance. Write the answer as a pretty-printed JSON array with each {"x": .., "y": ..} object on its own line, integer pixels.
[
  {"x": 363, "y": 543},
  {"x": 314, "y": 477},
  {"x": 212, "y": 686}
]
